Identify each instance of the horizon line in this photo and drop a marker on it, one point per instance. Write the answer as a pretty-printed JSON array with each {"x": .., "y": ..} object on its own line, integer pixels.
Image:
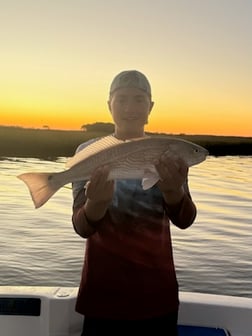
[{"x": 47, "y": 128}]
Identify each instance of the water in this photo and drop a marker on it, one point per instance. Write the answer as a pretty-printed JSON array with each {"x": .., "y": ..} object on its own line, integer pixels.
[{"x": 39, "y": 247}]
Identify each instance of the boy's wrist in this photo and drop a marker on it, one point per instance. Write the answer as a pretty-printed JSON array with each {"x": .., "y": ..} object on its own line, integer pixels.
[
  {"x": 95, "y": 211},
  {"x": 93, "y": 224},
  {"x": 174, "y": 197}
]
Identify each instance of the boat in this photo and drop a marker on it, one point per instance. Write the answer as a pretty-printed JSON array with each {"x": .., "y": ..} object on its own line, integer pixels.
[{"x": 50, "y": 311}]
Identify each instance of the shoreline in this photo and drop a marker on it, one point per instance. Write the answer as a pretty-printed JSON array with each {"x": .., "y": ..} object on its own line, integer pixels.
[{"x": 46, "y": 143}]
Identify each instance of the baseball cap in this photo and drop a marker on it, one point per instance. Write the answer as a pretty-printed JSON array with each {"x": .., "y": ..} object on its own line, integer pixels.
[{"x": 130, "y": 79}]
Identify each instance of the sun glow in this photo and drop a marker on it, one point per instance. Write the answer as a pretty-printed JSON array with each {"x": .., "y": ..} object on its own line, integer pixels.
[{"x": 57, "y": 62}]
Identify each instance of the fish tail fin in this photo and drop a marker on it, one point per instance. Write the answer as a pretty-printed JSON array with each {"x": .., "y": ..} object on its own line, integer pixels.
[{"x": 42, "y": 186}]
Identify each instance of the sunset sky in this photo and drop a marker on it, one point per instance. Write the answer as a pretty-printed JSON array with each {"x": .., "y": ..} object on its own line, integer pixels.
[{"x": 58, "y": 58}]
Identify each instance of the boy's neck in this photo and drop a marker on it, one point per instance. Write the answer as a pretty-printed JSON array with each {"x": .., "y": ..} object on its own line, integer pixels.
[{"x": 128, "y": 135}]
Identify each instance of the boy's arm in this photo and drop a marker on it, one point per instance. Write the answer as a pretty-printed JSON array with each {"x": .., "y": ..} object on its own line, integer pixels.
[
  {"x": 180, "y": 208},
  {"x": 90, "y": 204},
  {"x": 173, "y": 184}
]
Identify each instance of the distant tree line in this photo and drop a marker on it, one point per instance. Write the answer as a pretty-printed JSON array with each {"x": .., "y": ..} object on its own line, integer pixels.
[
  {"x": 46, "y": 143},
  {"x": 98, "y": 127}
]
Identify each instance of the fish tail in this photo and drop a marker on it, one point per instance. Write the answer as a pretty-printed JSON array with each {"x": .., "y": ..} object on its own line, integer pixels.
[{"x": 42, "y": 186}]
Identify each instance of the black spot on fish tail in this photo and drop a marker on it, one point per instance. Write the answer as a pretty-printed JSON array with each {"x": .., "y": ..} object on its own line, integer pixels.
[{"x": 50, "y": 177}]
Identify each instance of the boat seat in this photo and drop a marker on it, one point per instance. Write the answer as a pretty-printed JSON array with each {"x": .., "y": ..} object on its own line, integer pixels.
[{"x": 186, "y": 330}]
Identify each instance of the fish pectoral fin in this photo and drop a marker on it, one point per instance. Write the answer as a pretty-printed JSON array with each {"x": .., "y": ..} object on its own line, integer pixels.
[{"x": 149, "y": 180}]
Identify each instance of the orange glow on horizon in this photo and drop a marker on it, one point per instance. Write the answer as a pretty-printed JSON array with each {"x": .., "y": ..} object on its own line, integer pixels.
[
  {"x": 157, "y": 123},
  {"x": 183, "y": 110}
]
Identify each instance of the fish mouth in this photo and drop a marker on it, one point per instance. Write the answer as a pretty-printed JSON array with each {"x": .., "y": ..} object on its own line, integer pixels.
[{"x": 206, "y": 152}]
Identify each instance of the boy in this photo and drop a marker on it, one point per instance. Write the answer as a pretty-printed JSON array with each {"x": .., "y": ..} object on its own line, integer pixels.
[{"x": 128, "y": 281}]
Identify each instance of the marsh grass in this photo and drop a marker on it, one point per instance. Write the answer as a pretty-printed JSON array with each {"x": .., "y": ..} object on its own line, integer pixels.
[{"x": 50, "y": 144}]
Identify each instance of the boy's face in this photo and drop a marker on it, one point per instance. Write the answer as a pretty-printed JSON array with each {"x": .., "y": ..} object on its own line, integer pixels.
[{"x": 130, "y": 108}]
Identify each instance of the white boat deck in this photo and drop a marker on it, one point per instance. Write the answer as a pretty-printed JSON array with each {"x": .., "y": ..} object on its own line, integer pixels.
[{"x": 50, "y": 311}]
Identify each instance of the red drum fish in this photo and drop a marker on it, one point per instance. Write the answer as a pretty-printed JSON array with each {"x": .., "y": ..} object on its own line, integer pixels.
[{"x": 129, "y": 159}]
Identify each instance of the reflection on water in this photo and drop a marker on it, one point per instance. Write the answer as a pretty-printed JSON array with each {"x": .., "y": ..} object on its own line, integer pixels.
[
  {"x": 40, "y": 247},
  {"x": 214, "y": 254}
]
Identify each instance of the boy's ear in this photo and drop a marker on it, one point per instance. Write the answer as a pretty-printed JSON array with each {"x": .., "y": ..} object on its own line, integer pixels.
[{"x": 151, "y": 106}]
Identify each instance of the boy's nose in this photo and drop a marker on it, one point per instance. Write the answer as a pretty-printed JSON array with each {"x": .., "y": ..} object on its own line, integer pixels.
[{"x": 128, "y": 106}]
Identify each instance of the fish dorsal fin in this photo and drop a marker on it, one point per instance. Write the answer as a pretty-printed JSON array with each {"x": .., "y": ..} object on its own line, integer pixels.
[{"x": 95, "y": 147}]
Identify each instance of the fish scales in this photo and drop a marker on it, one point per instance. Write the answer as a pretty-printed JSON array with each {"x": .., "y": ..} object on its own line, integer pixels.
[{"x": 128, "y": 159}]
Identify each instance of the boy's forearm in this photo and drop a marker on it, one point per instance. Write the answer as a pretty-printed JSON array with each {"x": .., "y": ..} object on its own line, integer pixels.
[
  {"x": 174, "y": 197},
  {"x": 180, "y": 208},
  {"x": 86, "y": 218},
  {"x": 90, "y": 206},
  {"x": 95, "y": 211}
]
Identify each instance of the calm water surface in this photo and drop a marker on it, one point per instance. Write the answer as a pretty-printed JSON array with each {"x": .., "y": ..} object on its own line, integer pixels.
[{"x": 40, "y": 247}]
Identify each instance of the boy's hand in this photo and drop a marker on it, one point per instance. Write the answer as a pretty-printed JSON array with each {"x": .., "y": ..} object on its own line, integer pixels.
[
  {"x": 99, "y": 188},
  {"x": 173, "y": 173}
]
